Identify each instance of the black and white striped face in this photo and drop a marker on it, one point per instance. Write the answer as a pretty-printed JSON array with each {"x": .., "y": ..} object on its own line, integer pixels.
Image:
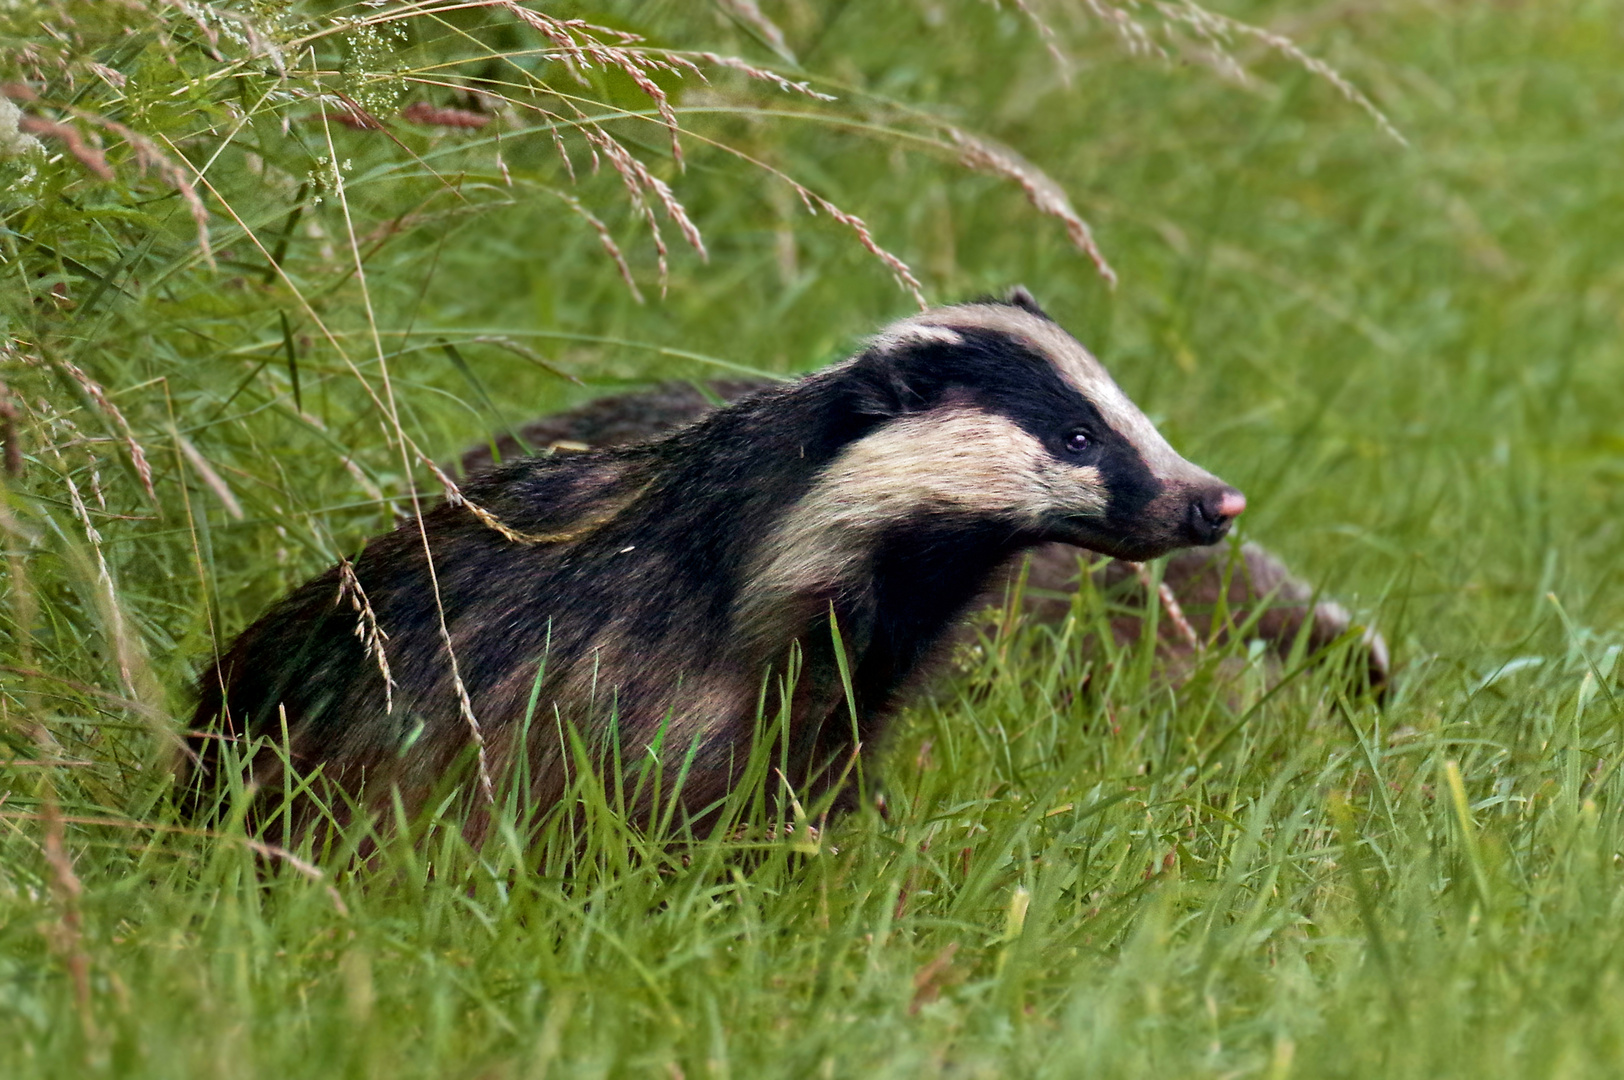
[{"x": 996, "y": 413}]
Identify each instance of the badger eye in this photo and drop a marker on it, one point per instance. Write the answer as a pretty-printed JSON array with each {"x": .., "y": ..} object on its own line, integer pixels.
[{"x": 1077, "y": 441}]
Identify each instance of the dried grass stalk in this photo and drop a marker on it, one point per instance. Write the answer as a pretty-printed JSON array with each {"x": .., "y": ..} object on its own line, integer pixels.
[
  {"x": 66, "y": 935},
  {"x": 1170, "y": 605},
  {"x": 1044, "y": 194},
  {"x": 138, "y": 456},
  {"x": 367, "y": 630},
  {"x": 206, "y": 473},
  {"x": 748, "y": 13},
  {"x": 899, "y": 269}
]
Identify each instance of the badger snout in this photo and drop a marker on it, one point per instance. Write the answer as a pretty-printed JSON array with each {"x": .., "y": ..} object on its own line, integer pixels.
[{"x": 1211, "y": 512}]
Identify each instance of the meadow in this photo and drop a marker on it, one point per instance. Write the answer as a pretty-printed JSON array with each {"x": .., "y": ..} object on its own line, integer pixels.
[{"x": 263, "y": 263}]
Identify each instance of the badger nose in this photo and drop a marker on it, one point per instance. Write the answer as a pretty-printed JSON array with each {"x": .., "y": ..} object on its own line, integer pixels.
[{"x": 1211, "y": 513}]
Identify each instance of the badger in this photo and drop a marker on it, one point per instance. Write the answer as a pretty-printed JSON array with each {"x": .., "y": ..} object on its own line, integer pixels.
[{"x": 644, "y": 603}]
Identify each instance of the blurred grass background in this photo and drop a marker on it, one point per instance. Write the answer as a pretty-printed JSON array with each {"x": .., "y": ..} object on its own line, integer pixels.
[{"x": 1406, "y": 355}]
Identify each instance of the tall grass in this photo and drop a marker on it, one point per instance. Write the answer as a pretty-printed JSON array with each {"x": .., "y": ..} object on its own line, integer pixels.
[{"x": 1406, "y": 356}]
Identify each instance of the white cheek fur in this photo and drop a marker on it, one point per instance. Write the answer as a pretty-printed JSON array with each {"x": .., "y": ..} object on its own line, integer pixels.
[{"x": 950, "y": 460}]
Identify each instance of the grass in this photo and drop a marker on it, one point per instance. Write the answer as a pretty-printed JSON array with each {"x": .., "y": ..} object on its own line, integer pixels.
[{"x": 1407, "y": 357}]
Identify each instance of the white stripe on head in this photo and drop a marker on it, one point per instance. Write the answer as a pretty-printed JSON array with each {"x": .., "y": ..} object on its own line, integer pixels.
[
  {"x": 912, "y": 333},
  {"x": 1075, "y": 364}
]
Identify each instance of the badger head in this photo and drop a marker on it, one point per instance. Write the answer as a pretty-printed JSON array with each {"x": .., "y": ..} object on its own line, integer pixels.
[{"x": 992, "y": 410}]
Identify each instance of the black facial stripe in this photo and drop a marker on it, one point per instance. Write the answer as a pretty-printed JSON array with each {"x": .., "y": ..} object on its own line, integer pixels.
[
  {"x": 1130, "y": 483},
  {"x": 1003, "y": 374}
]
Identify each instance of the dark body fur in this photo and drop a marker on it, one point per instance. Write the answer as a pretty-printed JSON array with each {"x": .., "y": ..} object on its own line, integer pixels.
[{"x": 655, "y": 590}]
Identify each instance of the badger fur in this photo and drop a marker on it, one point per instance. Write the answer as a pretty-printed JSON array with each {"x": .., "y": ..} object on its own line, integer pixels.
[
  {"x": 1256, "y": 592},
  {"x": 640, "y": 598}
]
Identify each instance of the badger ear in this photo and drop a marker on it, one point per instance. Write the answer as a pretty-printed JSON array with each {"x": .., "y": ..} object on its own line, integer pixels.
[{"x": 1019, "y": 297}]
